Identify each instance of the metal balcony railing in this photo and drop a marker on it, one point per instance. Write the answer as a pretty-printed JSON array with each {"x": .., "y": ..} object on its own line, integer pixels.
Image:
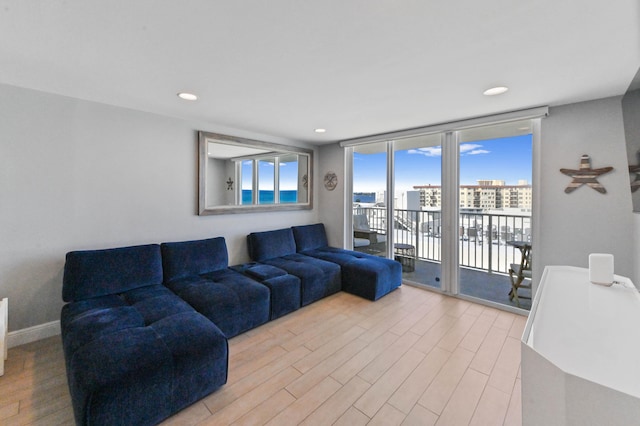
[{"x": 483, "y": 237}]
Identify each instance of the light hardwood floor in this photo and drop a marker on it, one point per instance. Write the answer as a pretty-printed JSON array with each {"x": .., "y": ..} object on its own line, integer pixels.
[{"x": 412, "y": 358}]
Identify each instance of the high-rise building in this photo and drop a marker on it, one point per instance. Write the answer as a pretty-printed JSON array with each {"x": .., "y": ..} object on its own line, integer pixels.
[{"x": 486, "y": 195}]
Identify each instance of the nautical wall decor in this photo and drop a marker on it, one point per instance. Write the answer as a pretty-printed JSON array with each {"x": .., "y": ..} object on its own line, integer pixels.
[{"x": 585, "y": 175}]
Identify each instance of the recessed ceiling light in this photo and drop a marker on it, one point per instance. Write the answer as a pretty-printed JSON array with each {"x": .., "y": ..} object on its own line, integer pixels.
[
  {"x": 495, "y": 91},
  {"x": 187, "y": 96},
  {"x": 320, "y": 130}
]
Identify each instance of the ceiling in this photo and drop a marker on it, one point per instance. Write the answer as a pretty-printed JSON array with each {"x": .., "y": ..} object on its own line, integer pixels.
[{"x": 283, "y": 68}]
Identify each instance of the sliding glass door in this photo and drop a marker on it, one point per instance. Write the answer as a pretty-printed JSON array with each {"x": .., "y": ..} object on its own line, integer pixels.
[{"x": 495, "y": 197}]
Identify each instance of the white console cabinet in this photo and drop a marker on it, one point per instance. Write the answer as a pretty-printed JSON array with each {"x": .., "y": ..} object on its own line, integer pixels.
[{"x": 581, "y": 352}]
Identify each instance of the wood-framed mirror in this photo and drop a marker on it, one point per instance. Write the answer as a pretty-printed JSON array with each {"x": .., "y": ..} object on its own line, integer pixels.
[{"x": 239, "y": 175}]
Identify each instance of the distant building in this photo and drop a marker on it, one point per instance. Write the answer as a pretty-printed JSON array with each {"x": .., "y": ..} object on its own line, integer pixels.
[{"x": 486, "y": 195}]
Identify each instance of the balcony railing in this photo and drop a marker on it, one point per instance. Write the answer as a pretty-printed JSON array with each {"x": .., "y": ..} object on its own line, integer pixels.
[{"x": 483, "y": 237}]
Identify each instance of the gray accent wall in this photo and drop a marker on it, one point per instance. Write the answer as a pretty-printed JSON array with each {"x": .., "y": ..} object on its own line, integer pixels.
[{"x": 571, "y": 226}]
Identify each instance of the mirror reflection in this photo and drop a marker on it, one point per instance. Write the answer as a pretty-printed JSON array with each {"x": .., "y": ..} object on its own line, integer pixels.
[{"x": 238, "y": 174}]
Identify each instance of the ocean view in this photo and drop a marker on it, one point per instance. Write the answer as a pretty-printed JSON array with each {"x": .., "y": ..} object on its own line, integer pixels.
[
  {"x": 266, "y": 197},
  {"x": 364, "y": 197}
]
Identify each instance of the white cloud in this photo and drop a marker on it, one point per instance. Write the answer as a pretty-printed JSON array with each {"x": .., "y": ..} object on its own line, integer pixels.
[
  {"x": 472, "y": 149},
  {"x": 436, "y": 151},
  {"x": 431, "y": 151}
]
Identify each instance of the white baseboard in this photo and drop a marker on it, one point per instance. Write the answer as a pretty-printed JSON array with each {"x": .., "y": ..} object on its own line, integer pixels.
[{"x": 31, "y": 334}]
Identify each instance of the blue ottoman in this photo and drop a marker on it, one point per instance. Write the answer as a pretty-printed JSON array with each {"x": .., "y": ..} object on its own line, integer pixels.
[{"x": 284, "y": 287}]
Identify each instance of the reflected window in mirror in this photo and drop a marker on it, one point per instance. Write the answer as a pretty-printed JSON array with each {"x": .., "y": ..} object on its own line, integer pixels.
[
  {"x": 289, "y": 178},
  {"x": 246, "y": 177},
  {"x": 258, "y": 176},
  {"x": 266, "y": 181}
]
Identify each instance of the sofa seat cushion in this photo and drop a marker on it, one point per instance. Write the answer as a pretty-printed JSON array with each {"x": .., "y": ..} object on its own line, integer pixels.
[
  {"x": 234, "y": 302},
  {"x": 365, "y": 275},
  {"x": 285, "y": 288},
  {"x": 139, "y": 356},
  {"x": 318, "y": 278}
]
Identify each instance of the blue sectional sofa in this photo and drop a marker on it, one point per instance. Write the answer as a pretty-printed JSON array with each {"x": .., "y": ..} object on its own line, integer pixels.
[{"x": 145, "y": 328}]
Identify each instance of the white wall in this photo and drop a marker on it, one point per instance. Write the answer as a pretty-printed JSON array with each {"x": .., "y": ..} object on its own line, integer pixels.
[
  {"x": 574, "y": 225},
  {"x": 80, "y": 175}
]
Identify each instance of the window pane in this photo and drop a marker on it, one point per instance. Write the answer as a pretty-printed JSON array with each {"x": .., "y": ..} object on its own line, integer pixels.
[{"x": 369, "y": 198}]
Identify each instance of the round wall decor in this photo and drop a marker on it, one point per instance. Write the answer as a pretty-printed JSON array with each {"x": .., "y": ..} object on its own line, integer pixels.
[{"x": 330, "y": 181}]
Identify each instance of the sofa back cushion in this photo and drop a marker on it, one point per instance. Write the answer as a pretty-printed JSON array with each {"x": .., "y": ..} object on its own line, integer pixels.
[
  {"x": 310, "y": 237},
  {"x": 271, "y": 244},
  {"x": 94, "y": 273},
  {"x": 192, "y": 258}
]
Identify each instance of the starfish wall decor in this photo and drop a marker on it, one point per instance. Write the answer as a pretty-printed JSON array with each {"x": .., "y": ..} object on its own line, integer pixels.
[{"x": 585, "y": 175}]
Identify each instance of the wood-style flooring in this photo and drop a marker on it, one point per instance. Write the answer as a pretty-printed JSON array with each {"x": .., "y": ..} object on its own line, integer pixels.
[{"x": 412, "y": 358}]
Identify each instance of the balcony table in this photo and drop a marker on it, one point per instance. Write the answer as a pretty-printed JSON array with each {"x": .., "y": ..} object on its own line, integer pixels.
[{"x": 406, "y": 255}]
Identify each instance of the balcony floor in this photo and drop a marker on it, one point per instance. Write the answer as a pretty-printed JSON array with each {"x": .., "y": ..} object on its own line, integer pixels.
[{"x": 494, "y": 287}]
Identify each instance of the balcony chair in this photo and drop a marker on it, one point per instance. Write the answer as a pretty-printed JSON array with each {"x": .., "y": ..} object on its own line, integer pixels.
[
  {"x": 520, "y": 275},
  {"x": 365, "y": 239},
  {"x": 474, "y": 235},
  {"x": 505, "y": 234}
]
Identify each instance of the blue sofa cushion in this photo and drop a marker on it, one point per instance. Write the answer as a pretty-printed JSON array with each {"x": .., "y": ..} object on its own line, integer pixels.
[
  {"x": 262, "y": 272},
  {"x": 185, "y": 258},
  {"x": 309, "y": 237},
  {"x": 94, "y": 273},
  {"x": 271, "y": 244}
]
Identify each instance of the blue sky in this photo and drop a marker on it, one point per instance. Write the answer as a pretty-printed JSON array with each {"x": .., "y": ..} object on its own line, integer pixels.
[{"x": 507, "y": 159}]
